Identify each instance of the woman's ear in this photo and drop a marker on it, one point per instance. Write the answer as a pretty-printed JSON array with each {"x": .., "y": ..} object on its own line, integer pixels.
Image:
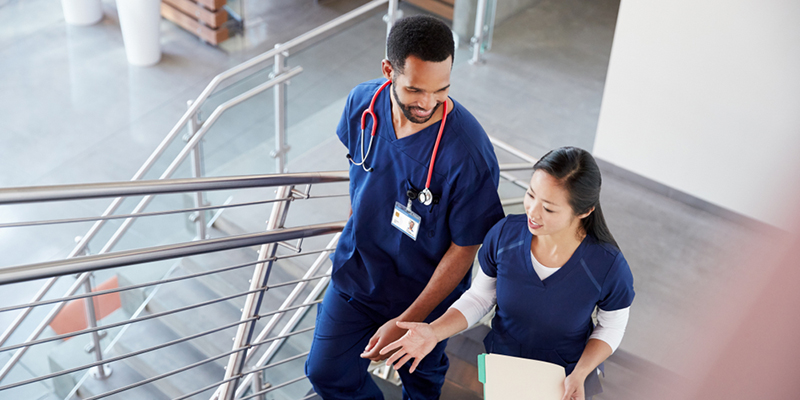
[{"x": 586, "y": 214}]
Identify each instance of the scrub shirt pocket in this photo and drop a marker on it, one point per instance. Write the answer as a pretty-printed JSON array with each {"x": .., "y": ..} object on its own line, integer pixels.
[
  {"x": 429, "y": 214},
  {"x": 497, "y": 343}
]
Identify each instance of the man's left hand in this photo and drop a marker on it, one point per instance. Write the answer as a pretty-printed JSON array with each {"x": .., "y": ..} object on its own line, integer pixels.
[{"x": 387, "y": 333}]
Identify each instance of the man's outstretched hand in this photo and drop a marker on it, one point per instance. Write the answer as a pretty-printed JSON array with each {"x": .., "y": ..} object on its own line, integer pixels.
[{"x": 387, "y": 333}]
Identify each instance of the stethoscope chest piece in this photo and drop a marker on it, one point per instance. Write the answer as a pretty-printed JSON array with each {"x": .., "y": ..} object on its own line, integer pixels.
[{"x": 426, "y": 197}]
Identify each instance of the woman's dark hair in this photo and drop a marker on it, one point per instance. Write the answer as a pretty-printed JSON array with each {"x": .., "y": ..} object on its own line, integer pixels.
[
  {"x": 578, "y": 172},
  {"x": 425, "y": 37}
]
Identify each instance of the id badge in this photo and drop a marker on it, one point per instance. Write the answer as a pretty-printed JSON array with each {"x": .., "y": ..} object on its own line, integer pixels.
[{"x": 406, "y": 220}]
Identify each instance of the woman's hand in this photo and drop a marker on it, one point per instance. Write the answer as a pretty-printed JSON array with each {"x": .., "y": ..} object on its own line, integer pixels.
[
  {"x": 573, "y": 388},
  {"x": 416, "y": 343}
]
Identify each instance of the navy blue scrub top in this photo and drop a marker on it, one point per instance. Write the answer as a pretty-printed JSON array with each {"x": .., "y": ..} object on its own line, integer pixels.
[
  {"x": 374, "y": 262},
  {"x": 550, "y": 320}
]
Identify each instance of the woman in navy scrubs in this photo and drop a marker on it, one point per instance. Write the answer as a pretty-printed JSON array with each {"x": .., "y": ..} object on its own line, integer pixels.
[{"x": 546, "y": 271}]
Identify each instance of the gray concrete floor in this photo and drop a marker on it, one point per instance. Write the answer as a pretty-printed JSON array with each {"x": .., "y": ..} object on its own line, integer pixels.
[{"x": 72, "y": 110}]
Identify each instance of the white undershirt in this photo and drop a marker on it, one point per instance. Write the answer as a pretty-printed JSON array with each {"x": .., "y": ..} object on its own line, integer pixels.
[{"x": 482, "y": 296}]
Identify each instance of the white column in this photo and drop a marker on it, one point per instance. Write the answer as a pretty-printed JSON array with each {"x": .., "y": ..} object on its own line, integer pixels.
[
  {"x": 82, "y": 12},
  {"x": 140, "y": 23}
]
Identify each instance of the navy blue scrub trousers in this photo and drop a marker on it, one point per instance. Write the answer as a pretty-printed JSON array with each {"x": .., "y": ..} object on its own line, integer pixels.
[{"x": 335, "y": 368}]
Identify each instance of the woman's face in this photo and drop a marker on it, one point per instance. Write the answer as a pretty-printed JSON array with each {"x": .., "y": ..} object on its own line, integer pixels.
[{"x": 547, "y": 206}]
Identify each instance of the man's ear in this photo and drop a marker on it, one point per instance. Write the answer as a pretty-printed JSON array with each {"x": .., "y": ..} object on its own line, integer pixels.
[{"x": 387, "y": 69}]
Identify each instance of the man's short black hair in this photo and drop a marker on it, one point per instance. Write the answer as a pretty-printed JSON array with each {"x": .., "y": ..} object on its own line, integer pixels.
[{"x": 423, "y": 36}]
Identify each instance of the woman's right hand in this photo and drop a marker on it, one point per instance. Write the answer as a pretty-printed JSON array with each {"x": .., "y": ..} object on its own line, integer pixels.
[{"x": 418, "y": 341}]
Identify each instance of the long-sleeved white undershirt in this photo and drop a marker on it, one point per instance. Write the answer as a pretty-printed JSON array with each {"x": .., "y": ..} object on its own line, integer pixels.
[{"x": 482, "y": 296}]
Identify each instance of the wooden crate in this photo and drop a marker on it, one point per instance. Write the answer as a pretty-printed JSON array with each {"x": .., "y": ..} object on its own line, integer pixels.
[
  {"x": 442, "y": 8},
  {"x": 203, "y": 18}
]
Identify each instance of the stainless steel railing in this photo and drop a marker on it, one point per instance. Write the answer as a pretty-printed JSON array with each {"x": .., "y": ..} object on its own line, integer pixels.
[
  {"x": 197, "y": 130},
  {"x": 84, "y": 265}
]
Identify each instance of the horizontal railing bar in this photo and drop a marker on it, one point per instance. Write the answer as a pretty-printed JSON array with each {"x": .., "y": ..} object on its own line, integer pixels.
[
  {"x": 513, "y": 180},
  {"x": 130, "y": 321},
  {"x": 132, "y": 354},
  {"x": 511, "y": 202},
  {"x": 273, "y": 388},
  {"x": 313, "y": 278},
  {"x": 165, "y": 281},
  {"x": 33, "y": 194},
  {"x": 188, "y": 367},
  {"x": 131, "y": 287},
  {"x": 328, "y": 26},
  {"x": 516, "y": 167},
  {"x": 209, "y": 387},
  {"x": 289, "y": 309},
  {"x": 511, "y": 149},
  {"x": 124, "y": 258},
  {"x": 252, "y": 371},
  {"x": 305, "y": 253},
  {"x": 309, "y": 397},
  {"x": 139, "y": 215},
  {"x": 276, "y": 363}
]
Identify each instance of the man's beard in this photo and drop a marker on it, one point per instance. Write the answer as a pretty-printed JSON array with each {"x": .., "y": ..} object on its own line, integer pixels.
[{"x": 407, "y": 109}]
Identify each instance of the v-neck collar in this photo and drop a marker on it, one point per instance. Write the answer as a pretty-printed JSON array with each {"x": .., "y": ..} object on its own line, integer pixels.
[{"x": 557, "y": 276}]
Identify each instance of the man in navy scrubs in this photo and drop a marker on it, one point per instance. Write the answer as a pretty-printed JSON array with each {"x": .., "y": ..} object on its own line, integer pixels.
[{"x": 401, "y": 257}]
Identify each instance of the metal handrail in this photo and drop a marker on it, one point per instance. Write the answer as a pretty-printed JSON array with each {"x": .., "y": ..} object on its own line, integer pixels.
[
  {"x": 162, "y": 186},
  {"x": 96, "y": 262},
  {"x": 84, "y": 191}
]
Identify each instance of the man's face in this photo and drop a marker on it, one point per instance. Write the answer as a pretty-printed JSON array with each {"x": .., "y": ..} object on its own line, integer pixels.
[{"x": 421, "y": 88}]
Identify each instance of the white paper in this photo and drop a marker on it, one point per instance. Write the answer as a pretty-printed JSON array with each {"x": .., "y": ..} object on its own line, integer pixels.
[{"x": 511, "y": 378}]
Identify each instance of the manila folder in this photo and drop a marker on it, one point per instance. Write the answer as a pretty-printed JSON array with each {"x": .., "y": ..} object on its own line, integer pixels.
[{"x": 514, "y": 378}]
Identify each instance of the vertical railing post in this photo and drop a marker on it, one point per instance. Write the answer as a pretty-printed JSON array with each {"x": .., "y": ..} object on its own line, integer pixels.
[
  {"x": 281, "y": 148},
  {"x": 261, "y": 272},
  {"x": 197, "y": 172},
  {"x": 101, "y": 371},
  {"x": 391, "y": 16},
  {"x": 258, "y": 385},
  {"x": 477, "y": 40}
]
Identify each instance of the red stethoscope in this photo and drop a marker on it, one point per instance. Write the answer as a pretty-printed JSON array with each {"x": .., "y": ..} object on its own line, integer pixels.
[{"x": 425, "y": 196}]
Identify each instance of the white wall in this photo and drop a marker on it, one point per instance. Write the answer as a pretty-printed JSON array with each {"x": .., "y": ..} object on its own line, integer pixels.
[{"x": 704, "y": 97}]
